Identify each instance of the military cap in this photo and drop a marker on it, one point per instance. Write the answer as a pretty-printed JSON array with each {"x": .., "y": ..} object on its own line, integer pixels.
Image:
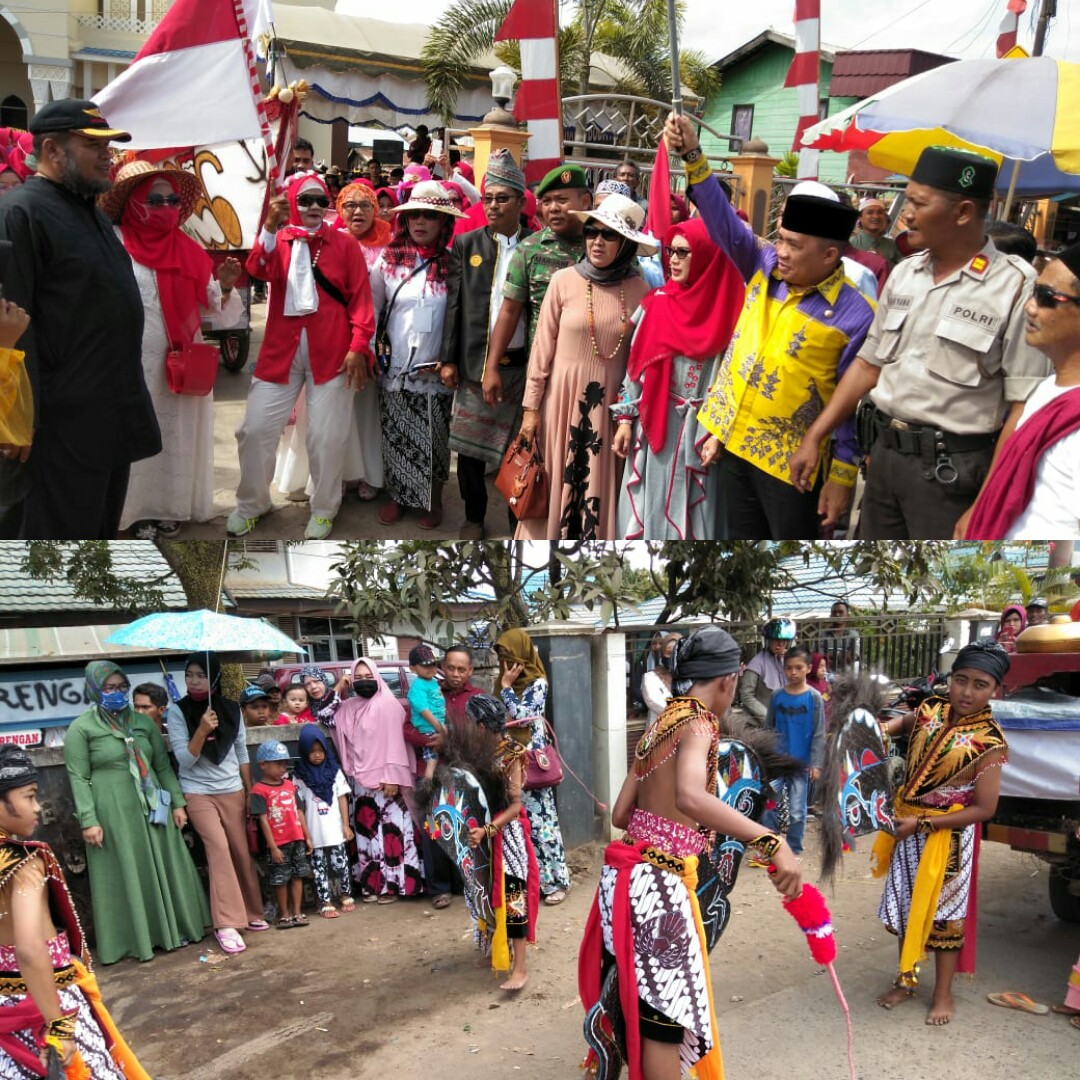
[
  {"x": 958, "y": 171},
  {"x": 563, "y": 176}
]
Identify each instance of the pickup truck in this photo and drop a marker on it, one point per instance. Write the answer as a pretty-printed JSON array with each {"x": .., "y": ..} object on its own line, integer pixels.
[{"x": 1039, "y": 808}]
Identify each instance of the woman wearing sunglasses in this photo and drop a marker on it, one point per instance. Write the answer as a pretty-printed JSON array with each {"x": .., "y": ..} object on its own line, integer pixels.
[
  {"x": 576, "y": 367},
  {"x": 318, "y": 339},
  {"x": 1033, "y": 490},
  {"x": 408, "y": 287},
  {"x": 178, "y": 288},
  {"x": 685, "y": 327}
]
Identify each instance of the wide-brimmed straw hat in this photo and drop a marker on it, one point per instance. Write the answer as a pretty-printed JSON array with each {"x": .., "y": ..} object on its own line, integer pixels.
[
  {"x": 625, "y": 217},
  {"x": 188, "y": 187},
  {"x": 429, "y": 195}
]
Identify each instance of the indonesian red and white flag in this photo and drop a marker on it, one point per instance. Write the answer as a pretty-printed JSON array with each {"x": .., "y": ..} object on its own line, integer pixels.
[
  {"x": 194, "y": 82},
  {"x": 803, "y": 76},
  {"x": 1007, "y": 31},
  {"x": 534, "y": 24}
]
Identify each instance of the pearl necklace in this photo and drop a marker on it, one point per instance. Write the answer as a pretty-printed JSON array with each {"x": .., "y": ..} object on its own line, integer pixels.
[{"x": 592, "y": 323}]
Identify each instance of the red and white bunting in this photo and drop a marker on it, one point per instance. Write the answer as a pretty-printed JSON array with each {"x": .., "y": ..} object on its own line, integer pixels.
[
  {"x": 534, "y": 24},
  {"x": 1007, "y": 31},
  {"x": 803, "y": 76},
  {"x": 194, "y": 82}
]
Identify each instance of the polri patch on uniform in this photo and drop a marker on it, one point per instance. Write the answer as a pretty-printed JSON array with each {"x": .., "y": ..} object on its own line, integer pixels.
[
  {"x": 984, "y": 320},
  {"x": 476, "y": 259},
  {"x": 979, "y": 264}
]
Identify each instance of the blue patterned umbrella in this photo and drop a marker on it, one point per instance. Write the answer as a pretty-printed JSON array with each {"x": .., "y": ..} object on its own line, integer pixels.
[{"x": 203, "y": 631}]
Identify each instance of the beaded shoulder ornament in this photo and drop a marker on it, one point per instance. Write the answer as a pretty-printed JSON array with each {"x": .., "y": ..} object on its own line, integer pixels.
[{"x": 660, "y": 742}]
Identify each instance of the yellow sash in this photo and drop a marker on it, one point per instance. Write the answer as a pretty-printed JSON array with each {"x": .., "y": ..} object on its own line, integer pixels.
[
  {"x": 711, "y": 1066},
  {"x": 929, "y": 879}
]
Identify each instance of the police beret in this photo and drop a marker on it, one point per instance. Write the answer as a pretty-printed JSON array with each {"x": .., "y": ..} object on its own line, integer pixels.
[
  {"x": 813, "y": 215},
  {"x": 958, "y": 171},
  {"x": 563, "y": 176}
]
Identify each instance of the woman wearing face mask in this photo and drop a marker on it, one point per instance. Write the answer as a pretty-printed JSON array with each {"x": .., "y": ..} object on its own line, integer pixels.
[
  {"x": 208, "y": 740},
  {"x": 381, "y": 767},
  {"x": 318, "y": 340},
  {"x": 145, "y": 888},
  {"x": 176, "y": 281},
  {"x": 576, "y": 367},
  {"x": 685, "y": 327}
]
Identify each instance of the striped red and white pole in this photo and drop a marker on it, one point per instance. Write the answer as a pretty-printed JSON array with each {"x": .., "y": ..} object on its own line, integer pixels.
[{"x": 803, "y": 76}]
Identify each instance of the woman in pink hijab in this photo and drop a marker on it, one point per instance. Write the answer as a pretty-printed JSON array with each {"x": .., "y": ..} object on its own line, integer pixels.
[{"x": 381, "y": 766}]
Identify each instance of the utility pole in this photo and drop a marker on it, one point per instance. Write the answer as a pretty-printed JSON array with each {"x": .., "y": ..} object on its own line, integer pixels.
[{"x": 1047, "y": 12}]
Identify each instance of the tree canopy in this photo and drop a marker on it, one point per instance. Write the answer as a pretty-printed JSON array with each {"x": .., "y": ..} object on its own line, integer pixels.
[{"x": 633, "y": 32}]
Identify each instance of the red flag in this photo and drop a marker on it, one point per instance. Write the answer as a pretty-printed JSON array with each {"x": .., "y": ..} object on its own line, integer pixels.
[
  {"x": 194, "y": 82},
  {"x": 534, "y": 24},
  {"x": 1009, "y": 25},
  {"x": 658, "y": 220}
]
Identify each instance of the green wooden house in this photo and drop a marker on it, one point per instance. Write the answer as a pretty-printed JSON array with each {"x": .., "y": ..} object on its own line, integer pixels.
[{"x": 754, "y": 103}]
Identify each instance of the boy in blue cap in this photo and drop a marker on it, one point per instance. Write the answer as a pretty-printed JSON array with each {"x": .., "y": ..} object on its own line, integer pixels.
[{"x": 275, "y": 804}]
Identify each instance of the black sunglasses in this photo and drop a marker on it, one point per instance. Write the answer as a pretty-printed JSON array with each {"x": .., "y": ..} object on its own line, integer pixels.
[
  {"x": 1046, "y": 297},
  {"x": 677, "y": 252},
  {"x": 163, "y": 200},
  {"x": 590, "y": 232},
  {"x": 425, "y": 215},
  {"x": 313, "y": 200}
]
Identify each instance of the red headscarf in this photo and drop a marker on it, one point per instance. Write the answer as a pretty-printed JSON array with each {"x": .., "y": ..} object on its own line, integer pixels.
[
  {"x": 820, "y": 685},
  {"x": 694, "y": 319},
  {"x": 293, "y": 186},
  {"x": 183, "y": 269}
]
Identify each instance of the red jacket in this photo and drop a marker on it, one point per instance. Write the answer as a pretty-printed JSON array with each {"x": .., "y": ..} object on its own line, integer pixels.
[{"x": 333, "y": 330}]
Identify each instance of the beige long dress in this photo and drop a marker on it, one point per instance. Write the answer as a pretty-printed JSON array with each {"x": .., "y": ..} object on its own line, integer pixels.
[{"x": 573, "y": 389}]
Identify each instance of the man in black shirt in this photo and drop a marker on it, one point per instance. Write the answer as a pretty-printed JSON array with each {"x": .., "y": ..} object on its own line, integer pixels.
[{"x": 93, "y": 414}]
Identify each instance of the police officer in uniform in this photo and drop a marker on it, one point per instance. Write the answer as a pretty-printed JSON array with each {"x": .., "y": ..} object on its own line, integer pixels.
[{"x": 945, "y": 363}]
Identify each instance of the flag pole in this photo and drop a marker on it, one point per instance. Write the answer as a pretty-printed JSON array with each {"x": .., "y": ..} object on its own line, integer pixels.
[{"x": 673, "y": 43}]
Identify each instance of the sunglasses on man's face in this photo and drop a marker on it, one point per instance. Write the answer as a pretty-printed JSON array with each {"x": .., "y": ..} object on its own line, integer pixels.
[
  {"x": 162, "y": 200},
  {"x": 1047, "y": 297},
  {"x": 313, "y": 200},
  {"x": 591, "y": 232}
]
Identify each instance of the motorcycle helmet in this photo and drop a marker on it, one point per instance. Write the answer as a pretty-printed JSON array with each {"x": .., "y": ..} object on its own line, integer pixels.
[{"x": 779, "y": 630}]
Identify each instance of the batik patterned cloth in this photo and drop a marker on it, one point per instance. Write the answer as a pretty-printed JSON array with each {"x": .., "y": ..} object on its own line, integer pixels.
[
  {"x": 415, "y": 444},
  {"x": 388, "y": 862},
  {"x": 540, "y": 803},
  {"x": 669, "y": 962},
  {"x": 89, "y": 1039}
]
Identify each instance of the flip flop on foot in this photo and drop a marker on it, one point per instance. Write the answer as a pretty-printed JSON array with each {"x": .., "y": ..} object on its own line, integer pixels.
[
  {"x": 258, "y": 925},
  {"x": 230, "y": 940},
  {"x": 1011, "y": 999},
  {"x": 286, "y": 922},
  {"x": 388, "y": 898},
  {"x": 557, "y": 897},
  {"x": 1075, "y": 1021},
  {"x": 1065, "y": 1010},
  {"x": 441, "y": 901},
  {"x": 300, "y": 920},
  {"x": 330, "y": 912},
  {"x": 348, "y": 904}
]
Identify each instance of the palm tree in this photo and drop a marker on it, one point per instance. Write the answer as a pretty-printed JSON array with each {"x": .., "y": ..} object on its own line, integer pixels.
[{"x": 633, "y": 32}]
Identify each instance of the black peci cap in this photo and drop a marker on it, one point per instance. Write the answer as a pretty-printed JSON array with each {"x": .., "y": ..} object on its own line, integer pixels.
[{"x": 958, "y": 171}]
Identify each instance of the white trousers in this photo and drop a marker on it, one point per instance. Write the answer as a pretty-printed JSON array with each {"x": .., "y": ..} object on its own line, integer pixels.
[{"x": 269, "y": 405}]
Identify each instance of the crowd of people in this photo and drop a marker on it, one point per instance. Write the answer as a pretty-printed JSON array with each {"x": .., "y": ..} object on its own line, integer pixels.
[
  {"x": 342, "y": 810},
  {"x": 701, "y": 383}
]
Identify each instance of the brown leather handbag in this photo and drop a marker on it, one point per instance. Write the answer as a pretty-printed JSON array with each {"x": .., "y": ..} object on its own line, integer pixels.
[{"x": 523, "y": 481}]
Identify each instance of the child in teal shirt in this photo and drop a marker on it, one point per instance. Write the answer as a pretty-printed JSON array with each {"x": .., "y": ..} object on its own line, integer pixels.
[{"x": 426, "y": 701}]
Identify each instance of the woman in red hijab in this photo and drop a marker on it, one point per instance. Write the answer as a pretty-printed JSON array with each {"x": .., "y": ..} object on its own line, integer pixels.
[
  {"x": 176, "y": 280},
  {"x": 685, "y": 327}
]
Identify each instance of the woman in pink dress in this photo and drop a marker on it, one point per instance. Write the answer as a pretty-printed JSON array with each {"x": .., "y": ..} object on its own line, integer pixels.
[{"x": 576, "y": 368}]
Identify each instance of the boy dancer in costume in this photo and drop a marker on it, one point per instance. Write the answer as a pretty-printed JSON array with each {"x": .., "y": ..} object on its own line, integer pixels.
[
  {"x": 951, "y": 784},
  {"x": 49, "y": 1000},
  {"x": 645, "y": 916}
]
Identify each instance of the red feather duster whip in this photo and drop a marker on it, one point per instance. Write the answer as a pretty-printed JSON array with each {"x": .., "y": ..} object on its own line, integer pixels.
[{"x": 811, "y": 912}]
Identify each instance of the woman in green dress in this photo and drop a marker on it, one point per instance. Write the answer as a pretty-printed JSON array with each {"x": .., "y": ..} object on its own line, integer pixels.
[{"x": 145, "y": 889}]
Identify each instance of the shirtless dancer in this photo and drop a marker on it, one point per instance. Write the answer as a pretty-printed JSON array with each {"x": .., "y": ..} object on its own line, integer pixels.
[{"x": 649, "y": 877}]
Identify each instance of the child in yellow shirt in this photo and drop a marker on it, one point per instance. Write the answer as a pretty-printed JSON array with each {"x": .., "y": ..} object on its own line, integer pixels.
[{"x": 16, "y": 399}]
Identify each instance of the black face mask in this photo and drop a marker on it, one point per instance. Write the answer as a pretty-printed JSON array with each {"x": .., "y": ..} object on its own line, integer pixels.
[{"x": 366, "y": 687}]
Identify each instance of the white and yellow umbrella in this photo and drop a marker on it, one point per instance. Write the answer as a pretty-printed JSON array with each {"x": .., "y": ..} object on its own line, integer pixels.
[{"x": 1023, "y": 113}]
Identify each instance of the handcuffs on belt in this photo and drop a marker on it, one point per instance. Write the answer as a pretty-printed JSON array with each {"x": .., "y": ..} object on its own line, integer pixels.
[{"x": 870, "y": 419}]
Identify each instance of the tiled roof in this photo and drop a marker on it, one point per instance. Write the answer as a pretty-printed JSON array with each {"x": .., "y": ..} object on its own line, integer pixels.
[
  {"x": 860, "y": 74},
  {"x": 130, "y": 558},
  {"x": 275, "y": 590},
  {"x": 25, "y": 644}
]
